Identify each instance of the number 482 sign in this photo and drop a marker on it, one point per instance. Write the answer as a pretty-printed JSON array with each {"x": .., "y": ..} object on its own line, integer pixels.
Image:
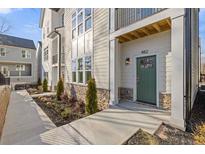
[{"x": 145, "y": 51}]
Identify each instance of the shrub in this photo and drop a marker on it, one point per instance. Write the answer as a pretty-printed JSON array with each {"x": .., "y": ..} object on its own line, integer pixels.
[
  {"x": 64, "y": 97},
  {"x": 39, "y": 82},
  {"x": 60, "y": 89},
  {"x": 45, "y": 85},
  {"x": 91, "y": 97},
  {"x": 66, "y": 112},
  {"x": 199, "y": 134}
]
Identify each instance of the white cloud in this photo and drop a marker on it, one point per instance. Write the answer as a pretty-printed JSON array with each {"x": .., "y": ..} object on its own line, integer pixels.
[{"x": 7, "y": 10}]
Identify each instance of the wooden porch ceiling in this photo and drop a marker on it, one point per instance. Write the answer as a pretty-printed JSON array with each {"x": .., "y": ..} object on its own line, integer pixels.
[{"x": 153, "y": 28}]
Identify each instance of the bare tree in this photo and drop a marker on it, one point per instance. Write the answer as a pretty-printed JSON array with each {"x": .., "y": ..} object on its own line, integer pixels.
[{"x": 4, "y": 25}]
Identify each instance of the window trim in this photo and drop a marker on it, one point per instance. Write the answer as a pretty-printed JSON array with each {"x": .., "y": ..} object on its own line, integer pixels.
[{"x": 3, "y": 51}]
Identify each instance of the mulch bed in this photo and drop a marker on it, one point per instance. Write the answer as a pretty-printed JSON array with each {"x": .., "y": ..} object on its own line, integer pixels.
[
  {"x": 54, "y": 108},
  {"x": 165, "y": 135},
  {"x": 198, "y": 112}
]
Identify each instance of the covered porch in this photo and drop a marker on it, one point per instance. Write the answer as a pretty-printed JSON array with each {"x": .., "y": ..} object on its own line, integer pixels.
[{"x": 149, "y": 51}]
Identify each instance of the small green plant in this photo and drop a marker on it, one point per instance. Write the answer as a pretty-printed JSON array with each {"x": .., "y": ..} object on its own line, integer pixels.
[
  {"x": 91, "y": 97},
  {"x": 66, "y": 112},
  {"x": 45, "y": 85},
  {"x": 60, "y": 89},
  {"x": 39, "y": 82}
]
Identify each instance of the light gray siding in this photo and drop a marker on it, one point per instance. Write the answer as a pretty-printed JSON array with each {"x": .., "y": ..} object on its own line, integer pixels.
[
  {"x": 195, "y": 54},
  {"x": 101, "y": 47}
]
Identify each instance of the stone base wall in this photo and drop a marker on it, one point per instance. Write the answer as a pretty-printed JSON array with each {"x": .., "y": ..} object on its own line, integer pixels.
[
  {"x": 4, "y": 101},
  {"x": 79, "y": 92},
  {"x": 125, "y": 93},
  {"x": 165, "y": 100}
]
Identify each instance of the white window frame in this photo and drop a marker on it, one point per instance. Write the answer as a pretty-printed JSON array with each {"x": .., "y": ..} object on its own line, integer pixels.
[
  {"x": 45, "y": 54},
  {"x": 20, "y": 67},
  {"x": 2, "y": 50},
  {"x": 75, "y": 17},
  {"x": 27, "y": 54},
  {"x": 2, "y": 71}
]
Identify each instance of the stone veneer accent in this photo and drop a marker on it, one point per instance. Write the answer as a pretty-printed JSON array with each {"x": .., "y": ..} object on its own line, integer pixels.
[
  {"x": 125, "y": 93},
  {"x": 4, "y": 101},
  {"x": 79, "y": 92},
  {"x": 165, "y": 100}
]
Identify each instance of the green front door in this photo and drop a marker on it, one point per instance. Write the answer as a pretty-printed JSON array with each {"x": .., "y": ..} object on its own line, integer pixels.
[{"x": 146, "y": 79}]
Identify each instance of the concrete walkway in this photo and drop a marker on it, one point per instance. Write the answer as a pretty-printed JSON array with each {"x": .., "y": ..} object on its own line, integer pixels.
[
  {"x": 26, "y": 123},
  {"x": 24, "y": 119},
  {"x": 111, "y": 126}
]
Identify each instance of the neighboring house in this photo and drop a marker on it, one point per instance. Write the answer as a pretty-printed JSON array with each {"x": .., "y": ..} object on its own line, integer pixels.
[
  {"x": 18, "y": 59},
  {"x": 147, "y": 55},
  {"x": 52, "y": 25},
  {"x": 39, "y": 59}
]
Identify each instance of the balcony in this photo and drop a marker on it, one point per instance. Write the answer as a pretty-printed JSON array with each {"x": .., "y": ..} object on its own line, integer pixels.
[{"x": 127, "y": 16}]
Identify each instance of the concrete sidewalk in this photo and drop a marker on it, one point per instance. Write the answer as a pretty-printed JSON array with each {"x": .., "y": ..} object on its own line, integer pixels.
[
  {"x": 111, "y": 126},
  {"x": 24, "y": 119}
]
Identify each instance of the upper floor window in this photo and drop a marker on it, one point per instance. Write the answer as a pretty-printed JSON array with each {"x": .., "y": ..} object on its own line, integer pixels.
[
  {"x": 26, "y": 54},
  {"x": 81, "y": 21},
  {"x": 62, "y": 19},
  {"x": 87, "y": 12},
  {"x": 45, "y": 54},
  {"x": 2, "y": 52},
  {"x": 80, "y": 17}
]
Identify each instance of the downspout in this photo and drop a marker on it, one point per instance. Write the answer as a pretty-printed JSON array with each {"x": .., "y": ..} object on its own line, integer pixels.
[
  {"x": 59, "y": 50},
  {"x": 109, "y": 56},
  {"x": 188, "y": 58}
]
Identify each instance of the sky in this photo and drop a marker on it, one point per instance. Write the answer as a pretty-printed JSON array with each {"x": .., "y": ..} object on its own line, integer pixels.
[
  {"x": 24, "y": 22},
  {"x": 202, "y": 29}
]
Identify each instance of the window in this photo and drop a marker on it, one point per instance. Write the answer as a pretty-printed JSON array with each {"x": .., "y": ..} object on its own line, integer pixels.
[
  {"x": 74, "y": 23},
  {"x": 88, "y": 24},
  {"x": 87, "y": 12},
  {"x": 20, "y": 67},
  {"x": 80, "y": 70},
  {"x": 74, "y": 26},
  {"x": 87, "y": 68},
  {"x": 73, "y": 70},
  {"x": 74, "y": 33},
  {"x": 23, "y": 54},
  {"x": 26, "y": 54},
  {"x": 2, "y": 52},
  {"x": 46, "y": 75},
  {"x": 80, "y": 17},
  {"x": 45, "y": 54},
  {"x": 62, "y": 19},
  {"x": 80, "y": 29}
]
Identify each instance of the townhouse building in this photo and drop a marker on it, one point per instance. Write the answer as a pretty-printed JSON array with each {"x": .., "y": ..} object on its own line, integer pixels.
[
  {"x": 142, "y": 55},
  {"x": 52, "y": 24},
  {"x": 18, "y": 60}
]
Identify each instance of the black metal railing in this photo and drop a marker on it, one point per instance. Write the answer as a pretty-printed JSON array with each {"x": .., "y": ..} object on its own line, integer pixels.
[
  {"x": 4, "y": 80},
  {"x": 128, "y": 16}
]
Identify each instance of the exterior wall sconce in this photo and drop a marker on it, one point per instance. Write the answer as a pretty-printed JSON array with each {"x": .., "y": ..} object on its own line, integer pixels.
[{"x": 127, "y": 61}]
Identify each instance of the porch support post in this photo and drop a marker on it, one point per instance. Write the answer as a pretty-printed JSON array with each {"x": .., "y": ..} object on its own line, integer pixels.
[
  {"x": 177, "y": 83},
  {"x": 113, "y": 71}
]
